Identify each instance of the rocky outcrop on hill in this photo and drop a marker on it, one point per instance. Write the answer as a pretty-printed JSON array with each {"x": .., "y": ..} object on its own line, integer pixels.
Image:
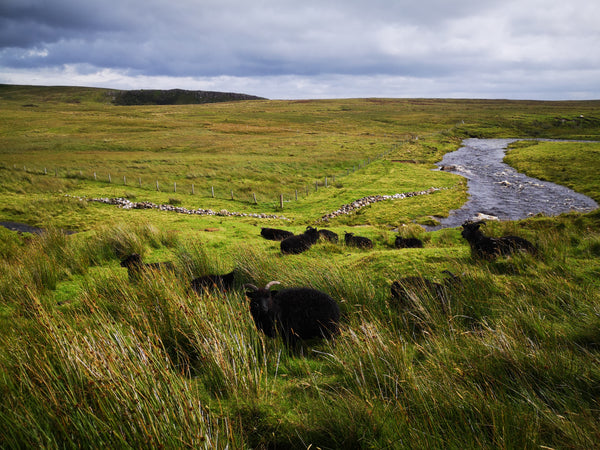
[{"x": 175, "y": 97}]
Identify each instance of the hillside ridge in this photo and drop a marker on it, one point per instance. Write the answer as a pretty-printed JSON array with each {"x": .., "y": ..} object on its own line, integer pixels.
[{"x": 176, "y": 97}]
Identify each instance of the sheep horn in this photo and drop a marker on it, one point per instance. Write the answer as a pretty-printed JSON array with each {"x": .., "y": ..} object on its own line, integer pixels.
[
  {"x": 251, "y": 286},
  {"x": 271, "y": 283}
]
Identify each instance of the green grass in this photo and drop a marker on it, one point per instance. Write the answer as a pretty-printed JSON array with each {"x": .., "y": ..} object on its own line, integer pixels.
[{"x": 91, "y": 359}]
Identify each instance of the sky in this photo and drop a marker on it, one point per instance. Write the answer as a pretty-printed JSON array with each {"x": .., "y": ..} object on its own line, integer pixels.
[{"x": 307, "y": 49}]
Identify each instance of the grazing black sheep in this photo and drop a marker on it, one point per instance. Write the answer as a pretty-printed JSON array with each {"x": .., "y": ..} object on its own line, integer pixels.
[
  {"x": 489, "y": 247},
  {"x": 296, "y": 314},
  {"x": 274, "y": 234},
  {"x": 135, "y": 266},
  {"x": 401, "y": 242},
  {"x": 299, "y": 243},
  {"x": 328, "y": 235},
  {"x": 405, "y": 287},
  {"x": 357, "y": 241},
  {"x": 216, "y": 282}
]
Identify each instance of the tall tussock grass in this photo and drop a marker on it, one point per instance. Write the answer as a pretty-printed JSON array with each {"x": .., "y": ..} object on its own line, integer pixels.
[{"x": 508, "y": 360}]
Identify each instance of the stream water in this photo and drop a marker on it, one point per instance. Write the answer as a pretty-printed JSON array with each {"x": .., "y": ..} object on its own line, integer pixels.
[{"x": 498, "y": 190}]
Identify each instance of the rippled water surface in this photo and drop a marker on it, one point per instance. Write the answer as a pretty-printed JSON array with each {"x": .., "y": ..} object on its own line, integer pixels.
[{"x": 496, "y": 189}]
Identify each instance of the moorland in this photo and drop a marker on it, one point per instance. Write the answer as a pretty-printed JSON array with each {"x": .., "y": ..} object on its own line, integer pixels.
[{"x": 89, "y": 358}]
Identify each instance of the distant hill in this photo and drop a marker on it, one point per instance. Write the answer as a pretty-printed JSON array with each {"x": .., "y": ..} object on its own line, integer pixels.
[
  {"x": 176, "y": 97},
  {"x": 32, "y": 95}
]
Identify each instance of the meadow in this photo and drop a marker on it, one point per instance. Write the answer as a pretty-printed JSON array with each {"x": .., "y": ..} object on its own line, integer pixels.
[{"x": 90, "y": 359}]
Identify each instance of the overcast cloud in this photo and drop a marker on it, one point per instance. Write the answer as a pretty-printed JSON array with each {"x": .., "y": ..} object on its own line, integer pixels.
[{"x": 280, "y": 49}]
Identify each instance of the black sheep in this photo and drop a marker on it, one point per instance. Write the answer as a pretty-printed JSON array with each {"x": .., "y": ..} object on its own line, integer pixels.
[
  {"x": 135, "y": 265},
  {"x": 402, "y": 289},
  {"x": 296, "y": 314},
  {"x": 489, "y": 247},
  {"x": 328, "y": 235},
  {"x": 219, "y": 282},
  {"x": 401, "y": 242},
  {"x": 274, "y": 234},
  {"x": 300, "y": 242},
  {"x": 357, "y": 241}
]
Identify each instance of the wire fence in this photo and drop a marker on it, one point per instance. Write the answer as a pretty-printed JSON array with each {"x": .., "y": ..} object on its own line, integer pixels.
[{"x": 204, "y": 189}]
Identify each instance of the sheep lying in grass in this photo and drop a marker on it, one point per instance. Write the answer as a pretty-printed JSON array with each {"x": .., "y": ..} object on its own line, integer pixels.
[
  {"x": 489, "y": 247},
  {"x": 296, "y": 314},
  {"x": 135, "y": 266},
  {"x": 274, "y": 234},
  {"x": 328, "y": 235},
  {"x": 357, "y": 241},
  {"x": 222, "y": 283},
  {"x": 299, "y": 243},
  {"x": 403, "y": 289},
  {"x": 402, "y": 242}
]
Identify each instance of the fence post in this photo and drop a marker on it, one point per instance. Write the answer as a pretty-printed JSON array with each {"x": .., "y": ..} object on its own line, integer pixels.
[
  {"x": 140, "y": 181},
  {"x": 109, "y": 179},
  {"x": 296, "y": 194},
  {"x": 174, "y": 186},
  {"x": 281, "y": 200},
  {"x": 192, "y": 188},
  {"x": 124, "y": 180},
  {"x": 254, "y": 196},
  {"x": 45, "y": 171},
  {"x": 231, "y": 195},
  {"x": 95, "y": 177},
  {"x": 212, "y": 191},
  {"x": 157, "y": 185}
]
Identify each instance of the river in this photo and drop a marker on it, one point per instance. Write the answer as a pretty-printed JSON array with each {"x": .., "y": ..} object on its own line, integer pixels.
[{"x": 496, "y": 189}]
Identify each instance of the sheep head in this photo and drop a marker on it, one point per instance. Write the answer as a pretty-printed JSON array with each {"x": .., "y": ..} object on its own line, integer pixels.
[
  {"x": 260, "y": 298},
  {"x": 132, "y": 260},
  {"x": 471, "y": 229}
]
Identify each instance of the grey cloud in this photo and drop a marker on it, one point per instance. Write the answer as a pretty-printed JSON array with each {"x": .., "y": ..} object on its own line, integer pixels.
[{"x": 437, "y": 42}]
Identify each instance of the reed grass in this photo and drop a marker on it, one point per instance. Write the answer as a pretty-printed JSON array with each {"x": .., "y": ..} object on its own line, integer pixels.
[{"x": 509, "y": 362}]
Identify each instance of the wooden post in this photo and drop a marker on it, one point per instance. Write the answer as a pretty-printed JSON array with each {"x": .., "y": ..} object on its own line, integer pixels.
[
  {"x": 109, "y": 179},
  {"x": 175, "y": 186},
  {"x": 281, "y": 200},
  {"x": 296, "y": 194},
  {"x": 124, "y": 180},
  {"x": 45, "y": 171},
  {"x": 192, "y": 188},
  {"x": 140, "y": 181},
  {"x": 95, "y": 177},
  {"x": 254, "y": 196},
  {"x": 231, "y": 195},
  {"x": 157, "y": 185},
  {"x": 212, "y": 191}
]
